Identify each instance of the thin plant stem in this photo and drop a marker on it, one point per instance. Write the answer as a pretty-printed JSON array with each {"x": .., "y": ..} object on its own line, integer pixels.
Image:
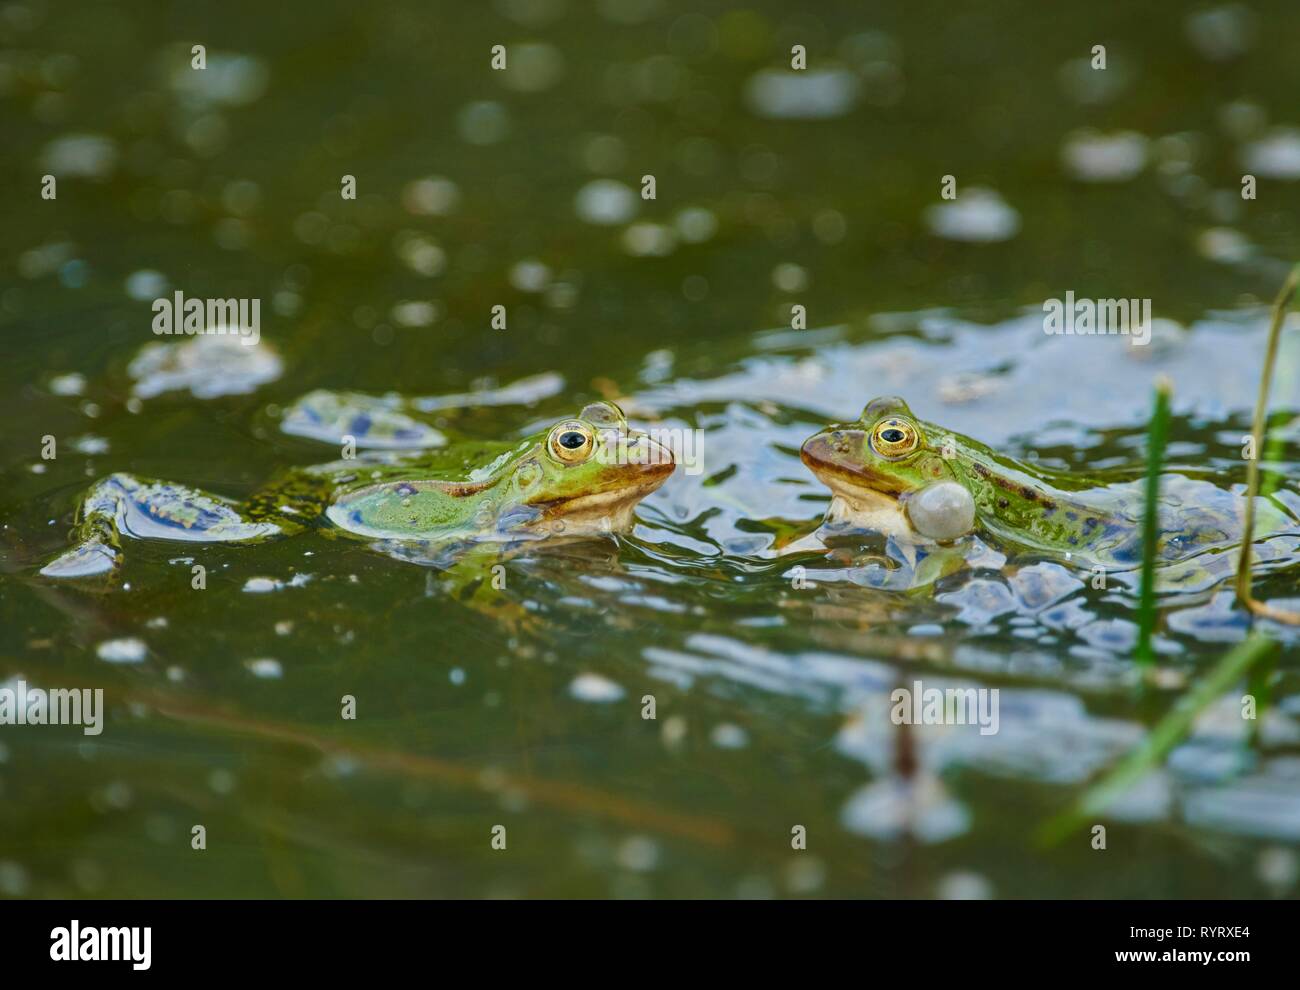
[
  {"x": 1157, "y": 433},
  {"x": 1244, "y": 594}
]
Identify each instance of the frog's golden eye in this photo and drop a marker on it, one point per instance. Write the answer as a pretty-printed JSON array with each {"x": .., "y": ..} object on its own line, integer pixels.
[
  {"x": 894, "y": 438},
  {"x": 571, "y": 443}
]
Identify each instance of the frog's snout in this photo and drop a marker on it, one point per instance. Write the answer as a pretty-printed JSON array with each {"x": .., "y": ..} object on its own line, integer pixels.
[
  {"x": 829, "y": 453},
  {"x": 652, "y": 457},
  {"x": 636, "y": 454},
  {"x": 813, "y": 452}
]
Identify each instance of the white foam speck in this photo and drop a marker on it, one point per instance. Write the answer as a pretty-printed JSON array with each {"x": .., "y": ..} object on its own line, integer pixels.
[
  {"x": 1276, "y": 155},
  {"x": 1090, "y": 156},
  {"x": 229, "y": 79},
  {"x": 13, "y": 879},
  {"x": 265, "y": 667},
  {"x": 594, "y": 688},
  {"x": 605, "y": 202},
  {"x": 85, "y": 156},
  {"x": 262, "y": 585},
  {"x": 810, "y": 94},
  {"x": 129, "y": 650},
  {"x": 69, "y": 384},
  {"x": 695, "y": 225},
  {"x": 649, "y": 240},
  {"x": 976, "y": 215},
  {"x": 728, "y": 736},
  {"x": 146, "y": 284},
  {"x": 433, "y": 195},
  {"x": 90, "y": 444},
  {"x": 530, "y": 275},
  {"x": 638, "y": 853},
  {"x": 962, "y": 885},
  {"x": 414, "y": 313}
]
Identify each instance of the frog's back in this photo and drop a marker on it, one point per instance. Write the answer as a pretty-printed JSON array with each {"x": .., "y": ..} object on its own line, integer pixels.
[
  {"x": 305, "y": 494},
  {"x": 415, "y": 509}
]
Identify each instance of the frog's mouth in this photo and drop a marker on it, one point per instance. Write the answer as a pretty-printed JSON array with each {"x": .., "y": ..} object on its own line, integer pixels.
[{"x": 860, "y": 498}]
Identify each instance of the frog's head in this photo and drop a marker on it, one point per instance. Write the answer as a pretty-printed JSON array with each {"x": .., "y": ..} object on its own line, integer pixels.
[
  {"x": 587, "y": 473},
  {"x": 885, "y": 474}
]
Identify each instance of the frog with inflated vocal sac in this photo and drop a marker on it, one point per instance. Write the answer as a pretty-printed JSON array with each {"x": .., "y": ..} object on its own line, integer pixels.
[{"x": 894, "y": 474}]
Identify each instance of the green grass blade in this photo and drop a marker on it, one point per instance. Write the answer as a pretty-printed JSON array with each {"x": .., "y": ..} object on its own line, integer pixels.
[{"x": 1157, "y": 434}]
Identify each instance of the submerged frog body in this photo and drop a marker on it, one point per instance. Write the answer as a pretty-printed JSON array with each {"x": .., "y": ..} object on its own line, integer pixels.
[
  {"x": 891, "y": 473},
  {"x": 581, "y": 477}
]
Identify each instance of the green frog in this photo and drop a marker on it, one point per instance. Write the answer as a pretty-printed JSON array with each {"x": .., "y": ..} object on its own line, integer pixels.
[
  {"x": 921, "y": 484},
  {"x": 579, "y": 478}
]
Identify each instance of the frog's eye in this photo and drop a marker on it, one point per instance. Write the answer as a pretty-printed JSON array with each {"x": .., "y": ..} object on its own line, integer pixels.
[
  {"x": 894, "y": 438},
  {"x": 571, "y": 443}
]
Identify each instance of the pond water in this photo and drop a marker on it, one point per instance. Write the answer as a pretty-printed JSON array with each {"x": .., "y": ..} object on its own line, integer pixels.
[{"x": 523, "y": 188}]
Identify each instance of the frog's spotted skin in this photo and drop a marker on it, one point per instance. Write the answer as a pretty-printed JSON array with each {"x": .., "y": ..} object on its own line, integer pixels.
[
  {"x": 874, "y": 466},
  {"x": 581, "y": 477}
]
